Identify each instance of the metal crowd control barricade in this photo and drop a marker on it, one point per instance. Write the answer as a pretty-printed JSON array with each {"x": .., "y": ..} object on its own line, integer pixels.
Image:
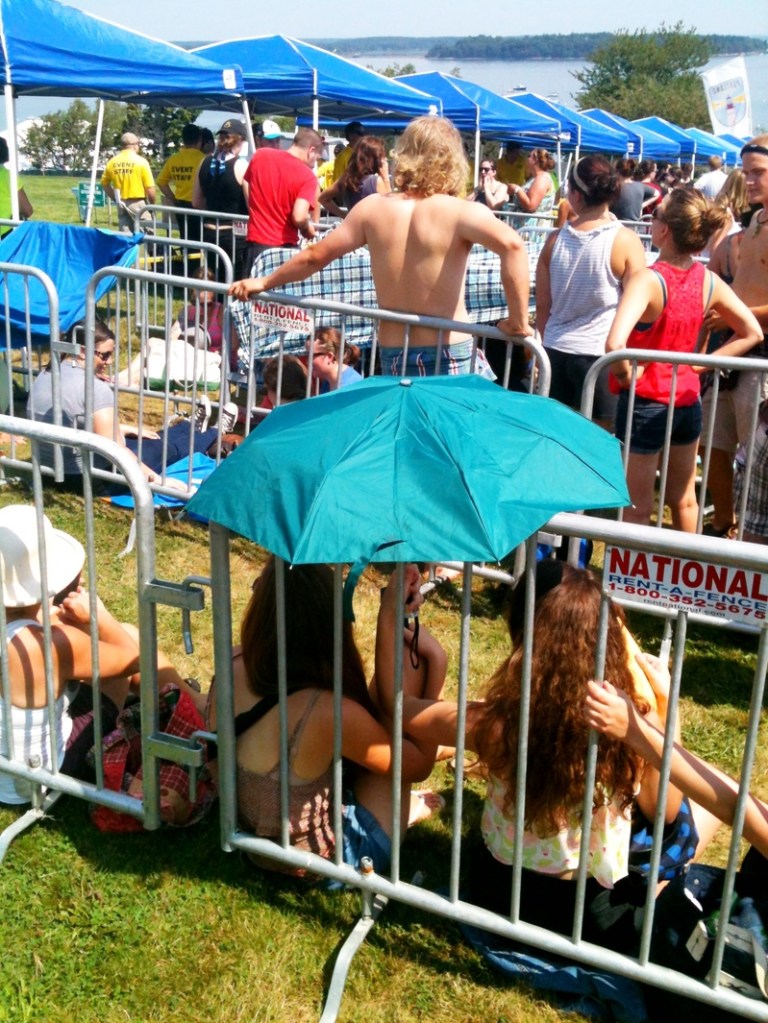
[
  {"x": 167, "y": 257},
  {"x": 45, "y": 785},
  {"x": 375, "y": 889},
  {"x": 259, "y": 343},
  {"x": 169, "y": 396},
  {"x": 752, "y": 370},
  {"x": 222, "y": 228},
  {"x": 20, "y": 356}
]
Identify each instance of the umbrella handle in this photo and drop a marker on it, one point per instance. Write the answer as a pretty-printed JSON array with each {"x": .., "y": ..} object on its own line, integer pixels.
[{"x": 413, "y": 650}]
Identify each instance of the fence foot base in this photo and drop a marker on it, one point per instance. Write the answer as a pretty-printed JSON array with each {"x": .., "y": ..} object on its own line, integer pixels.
[
  {"x": 26, "y": 821},
  {"x": 346, "y": 953}
]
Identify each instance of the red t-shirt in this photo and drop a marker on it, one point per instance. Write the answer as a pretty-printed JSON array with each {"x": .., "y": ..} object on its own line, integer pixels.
[{"x": 276, "y": 179}]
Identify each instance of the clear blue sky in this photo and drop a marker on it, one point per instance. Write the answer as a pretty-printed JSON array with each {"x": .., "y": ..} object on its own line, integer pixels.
[{"x": 317, "y": 19}]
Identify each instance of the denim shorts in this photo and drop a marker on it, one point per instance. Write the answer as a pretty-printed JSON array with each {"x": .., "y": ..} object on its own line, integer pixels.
[
  {"x": 364, "y": 836},
  {"x": 455, "y": 360},
  {"x": 649, "y": 424}
]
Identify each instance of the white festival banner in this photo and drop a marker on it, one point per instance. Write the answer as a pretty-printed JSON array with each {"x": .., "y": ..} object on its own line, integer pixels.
[
  {"x": 727, "y": 89},
  {"x": 677, "y": 583}
]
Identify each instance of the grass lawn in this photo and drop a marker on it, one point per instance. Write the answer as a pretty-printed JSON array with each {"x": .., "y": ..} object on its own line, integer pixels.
[
  {"x": 166, "y": 928},
  {"x": 52, "y": 199}
]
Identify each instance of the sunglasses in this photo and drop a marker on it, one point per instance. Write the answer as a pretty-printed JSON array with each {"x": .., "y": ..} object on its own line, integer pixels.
[
  {"x": 486, "y": 169},
  {"x": 104, "y": 356},
  {"x": 656, "y": 215}
]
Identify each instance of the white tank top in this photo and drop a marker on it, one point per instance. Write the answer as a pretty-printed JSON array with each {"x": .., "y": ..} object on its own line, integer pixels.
[
  {"x": 31, "y": 733},
  {"x": 585, "y": 292}
]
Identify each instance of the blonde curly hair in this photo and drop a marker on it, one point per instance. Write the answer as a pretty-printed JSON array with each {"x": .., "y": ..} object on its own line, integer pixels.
[{"x": 430, "y": 160}]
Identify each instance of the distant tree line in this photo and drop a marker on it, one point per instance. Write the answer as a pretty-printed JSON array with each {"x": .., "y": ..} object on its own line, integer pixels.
[
  {"x": 64, "y": 140},
  {"x": 575, "y": 46},
  {"x": 371, "y": 45}
]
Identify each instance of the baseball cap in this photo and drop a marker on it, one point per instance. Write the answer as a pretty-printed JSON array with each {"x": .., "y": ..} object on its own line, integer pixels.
[
  {"x": 270, "y": 130},
  {"x": 129, "y": 139},
  {"x": 233, "y": 127}
]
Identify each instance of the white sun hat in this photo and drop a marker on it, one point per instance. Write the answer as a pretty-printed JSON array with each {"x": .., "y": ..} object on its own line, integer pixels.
[{"x": 20, "y": 557}]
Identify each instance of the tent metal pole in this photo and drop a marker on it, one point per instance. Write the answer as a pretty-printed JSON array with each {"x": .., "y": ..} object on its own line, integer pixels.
[
  {"x": 315, "y": 102},
  {"x": 477, "y": 147},
  {"x": 95, "y": 161},
  {"x": 13, "y": 149},
  {"x": 248, "y": 126}
]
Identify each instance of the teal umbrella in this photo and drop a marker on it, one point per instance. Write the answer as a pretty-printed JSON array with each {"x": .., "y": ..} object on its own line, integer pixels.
[{"x": 431, "y": 469}]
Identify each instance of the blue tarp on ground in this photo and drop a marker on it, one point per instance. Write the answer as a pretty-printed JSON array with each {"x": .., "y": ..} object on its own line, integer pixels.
[
  {"x": 577, "y": 130},
  {"x": 52, "y": 50},
  {"x": 282, "y": 75},
  {"x": 70, "y": 256}
]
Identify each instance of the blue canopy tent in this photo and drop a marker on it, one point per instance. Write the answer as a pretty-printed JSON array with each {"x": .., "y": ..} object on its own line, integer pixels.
[
  {"x": 472, "y": 108},
  {"x": 733, "y": 139},
  {"x": 688, "y": 147},
  {"x": 283, "y": 75},
  {"x": 479, "y": 111},
  {"x": 708, "y": 144},
  {"x": 642, "y": 143},
  {"x": 578, "y": 133},
  {"x": 48, "y": 49}
]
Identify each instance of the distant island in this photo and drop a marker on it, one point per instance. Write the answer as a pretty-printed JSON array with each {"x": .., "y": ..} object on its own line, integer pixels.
[{"x": 575, "y": 46}]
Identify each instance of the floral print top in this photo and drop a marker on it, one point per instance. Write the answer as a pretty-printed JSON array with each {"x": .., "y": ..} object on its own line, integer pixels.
[{"x": 559, "y": 853}]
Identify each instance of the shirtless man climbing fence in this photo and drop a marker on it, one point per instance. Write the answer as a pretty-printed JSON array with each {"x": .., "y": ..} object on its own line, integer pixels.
[{"x": 419, "y": 239}]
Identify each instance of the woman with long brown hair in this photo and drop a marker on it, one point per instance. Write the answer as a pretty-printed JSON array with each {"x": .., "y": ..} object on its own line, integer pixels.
[
  {"x": 565, "y": 631},
  {"x": 365, "y": 733},
  {"x": 366, "y": 174}
]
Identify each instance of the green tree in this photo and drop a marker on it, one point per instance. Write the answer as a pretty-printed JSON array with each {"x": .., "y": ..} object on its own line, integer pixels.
[
  {"x": 159, "y": 128},
  {"x": 63, "y": 140},
  {"x": 642, "y": 73},
  {"x": 394, "y": 70}
]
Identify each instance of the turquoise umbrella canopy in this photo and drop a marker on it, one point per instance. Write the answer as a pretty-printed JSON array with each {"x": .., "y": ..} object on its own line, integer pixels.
[{"x": 431, "y": 469}]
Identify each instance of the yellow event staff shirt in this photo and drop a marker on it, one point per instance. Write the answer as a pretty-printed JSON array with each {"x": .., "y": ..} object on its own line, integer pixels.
[
  {"x": 512, "y": 173},
  {"x": 180, "y": 170},
  {"x": 129, "y": 173},
  {"x": 341, "y": 161}
]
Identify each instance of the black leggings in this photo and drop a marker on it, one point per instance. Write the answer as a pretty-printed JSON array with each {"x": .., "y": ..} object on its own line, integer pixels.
[{"x": 550, "y": 902}]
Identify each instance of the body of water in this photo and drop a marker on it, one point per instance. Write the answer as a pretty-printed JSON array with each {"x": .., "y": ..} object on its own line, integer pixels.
[
  {"x": 554, "y": 79},
  {"x": 550, "y": 78}
]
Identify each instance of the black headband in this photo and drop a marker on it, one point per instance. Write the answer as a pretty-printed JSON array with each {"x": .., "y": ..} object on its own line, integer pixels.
[{"x": 752, "y": 147}]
